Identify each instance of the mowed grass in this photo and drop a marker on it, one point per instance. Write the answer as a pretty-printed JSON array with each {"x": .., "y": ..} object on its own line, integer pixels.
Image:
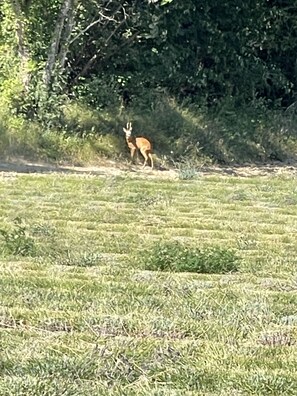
[{"x": 80, "y": 316}]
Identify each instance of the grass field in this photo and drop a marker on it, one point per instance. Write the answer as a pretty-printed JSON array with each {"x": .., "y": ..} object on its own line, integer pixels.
[{"x": 80, "y": 315}]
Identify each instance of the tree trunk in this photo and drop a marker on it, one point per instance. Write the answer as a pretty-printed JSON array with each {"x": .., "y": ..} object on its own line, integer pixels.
[
  {"x": 65, "y": 18},
  {"x": 23, "y": 50},
  {"x": 65, "y": 38}
]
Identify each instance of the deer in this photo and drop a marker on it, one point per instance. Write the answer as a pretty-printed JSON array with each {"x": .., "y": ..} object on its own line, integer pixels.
[{"x": 138, "y": 143}]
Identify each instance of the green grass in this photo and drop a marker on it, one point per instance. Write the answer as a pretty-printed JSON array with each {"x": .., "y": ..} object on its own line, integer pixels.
[{"x": 80, "y": 316}]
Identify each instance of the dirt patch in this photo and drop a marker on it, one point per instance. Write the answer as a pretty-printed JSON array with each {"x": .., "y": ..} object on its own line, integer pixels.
[{"x": 113, "y": 168}]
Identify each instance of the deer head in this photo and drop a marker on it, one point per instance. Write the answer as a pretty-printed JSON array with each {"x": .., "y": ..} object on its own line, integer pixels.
[{"x": 128, "y": 129}]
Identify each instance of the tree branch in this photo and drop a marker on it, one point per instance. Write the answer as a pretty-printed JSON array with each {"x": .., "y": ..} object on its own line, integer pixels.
[
  {"x": 85, "y": 30},
  {"x": 109, "y": 19},
  {"x": 90, "y": 62}
]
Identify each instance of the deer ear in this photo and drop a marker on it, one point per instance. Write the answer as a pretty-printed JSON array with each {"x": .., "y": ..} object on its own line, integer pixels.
[{"x": 125, "y": 130}]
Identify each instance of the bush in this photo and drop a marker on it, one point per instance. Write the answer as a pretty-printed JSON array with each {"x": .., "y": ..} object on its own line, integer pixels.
[
  {"x": 178, "y": 257},
  {"x": 17, "y": 241}
]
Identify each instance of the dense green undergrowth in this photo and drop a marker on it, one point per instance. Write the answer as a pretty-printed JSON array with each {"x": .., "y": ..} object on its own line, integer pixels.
[{"x": 180, "y": 133}]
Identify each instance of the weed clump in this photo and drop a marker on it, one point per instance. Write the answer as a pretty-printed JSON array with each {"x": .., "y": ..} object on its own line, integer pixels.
[
  {"x": 177, "y": 257},
  {"x": 188, "y": 169},
  {"x": 18, "y": 241}
]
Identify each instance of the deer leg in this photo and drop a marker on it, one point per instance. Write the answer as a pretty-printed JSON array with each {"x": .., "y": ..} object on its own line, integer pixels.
[
  {"x": 137, "y": 156},
  {"x": 151, "y": 158},
  {"x": 143, "y": 152},
  {"x": 132, "y": 153}
]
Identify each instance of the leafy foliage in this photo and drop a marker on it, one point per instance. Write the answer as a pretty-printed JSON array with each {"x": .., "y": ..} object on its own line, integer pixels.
[
  {"x": 17, "y": 241},
  {"x": 191, "y": 48},
  {"x": 178, "y": 257},
  {"x": 121, "y": 57}
]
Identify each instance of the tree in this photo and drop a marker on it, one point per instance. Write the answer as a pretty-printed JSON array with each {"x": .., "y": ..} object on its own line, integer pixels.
[{"x": 202, "y": 51}]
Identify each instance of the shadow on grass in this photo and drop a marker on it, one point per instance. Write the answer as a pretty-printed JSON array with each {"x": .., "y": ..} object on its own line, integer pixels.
[
  {"x": 110, "y": 168},
  {"x": 24, "y": 167}
]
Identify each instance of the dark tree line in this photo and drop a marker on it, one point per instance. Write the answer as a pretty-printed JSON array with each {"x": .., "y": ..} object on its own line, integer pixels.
[{"x": 196, "y": 50}]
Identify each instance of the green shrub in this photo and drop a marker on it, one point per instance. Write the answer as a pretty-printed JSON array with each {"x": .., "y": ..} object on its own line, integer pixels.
[
  {"x": 17, "y": 241},
  {"x": 178, "y": 257}
]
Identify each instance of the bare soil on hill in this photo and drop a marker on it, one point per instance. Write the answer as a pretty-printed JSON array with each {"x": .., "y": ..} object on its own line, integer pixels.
[{"x": 113, "y": 168}]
